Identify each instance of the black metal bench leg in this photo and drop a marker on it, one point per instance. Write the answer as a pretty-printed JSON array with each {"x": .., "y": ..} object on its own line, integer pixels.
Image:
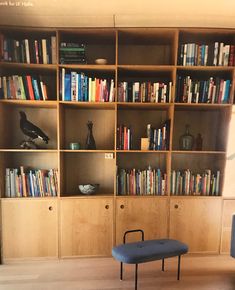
[
  {"x": 136, "y": 275},
  {"x": 163, "y": 268},
  {"x": 178, "y": 275},
  {"x": 121, "y": 270}
]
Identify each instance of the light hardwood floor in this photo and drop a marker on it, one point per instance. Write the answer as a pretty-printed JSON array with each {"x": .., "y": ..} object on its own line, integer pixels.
[{"x": 204, "y": 273}]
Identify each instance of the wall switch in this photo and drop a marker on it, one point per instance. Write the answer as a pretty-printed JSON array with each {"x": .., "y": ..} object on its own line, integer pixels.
[{"x": 108, "y": 156}]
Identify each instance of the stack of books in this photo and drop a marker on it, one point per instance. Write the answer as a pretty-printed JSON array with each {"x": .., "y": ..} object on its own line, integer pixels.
[
  {"x": 188, "y": 183},
  {"x": 158, "y": 139},
  {"x": 71, "y": 52},
  {"x": 39, "y": 51},
  {"x": 141, "y": 182},
  {"x": 146, "y": 92},
  {"x": 33, "y": 183}
]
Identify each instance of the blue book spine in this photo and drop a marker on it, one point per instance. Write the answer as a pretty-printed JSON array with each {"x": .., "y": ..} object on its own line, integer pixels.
[
  {"x": 36, "y": 89},
  {"x": 86, "y": 88},
  {"x": 227, "y": 91},
  {"x": 67, "y": 87},
  {"x": 79, "y": 86}
]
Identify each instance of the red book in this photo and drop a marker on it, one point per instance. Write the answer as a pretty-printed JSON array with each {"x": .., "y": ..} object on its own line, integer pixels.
[
  {"x": 231, "y": 55},
  {"x": 97, "y": 93},
  {"x": 30, "y": 87}
]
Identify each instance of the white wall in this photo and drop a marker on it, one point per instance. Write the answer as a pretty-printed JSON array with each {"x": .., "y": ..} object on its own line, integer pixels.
[{"x": 124, "y": 13}]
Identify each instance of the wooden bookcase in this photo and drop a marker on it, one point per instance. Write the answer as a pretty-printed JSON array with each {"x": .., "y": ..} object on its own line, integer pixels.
[{"x": 72, "y": 224}]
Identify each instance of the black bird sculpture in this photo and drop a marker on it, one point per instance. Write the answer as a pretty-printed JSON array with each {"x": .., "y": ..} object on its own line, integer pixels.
[{"x": 32, "y": 131}]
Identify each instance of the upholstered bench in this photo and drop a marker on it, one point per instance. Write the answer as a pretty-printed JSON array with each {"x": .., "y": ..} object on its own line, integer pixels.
[{"x": 147, "y": 251}]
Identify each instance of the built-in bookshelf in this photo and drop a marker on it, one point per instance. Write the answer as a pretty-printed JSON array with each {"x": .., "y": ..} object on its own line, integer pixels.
[{"x": 140, "y": 87}]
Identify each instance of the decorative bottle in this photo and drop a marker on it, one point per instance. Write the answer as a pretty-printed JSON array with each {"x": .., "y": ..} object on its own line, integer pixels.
[
  {"x": 186, "y": 140},
  {"x": 90, "y": 141},
  {"x": 198, "y": 142}
]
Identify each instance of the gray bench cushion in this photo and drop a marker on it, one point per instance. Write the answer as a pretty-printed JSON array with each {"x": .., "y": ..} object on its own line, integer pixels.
[{"x": 150, "y": 250}]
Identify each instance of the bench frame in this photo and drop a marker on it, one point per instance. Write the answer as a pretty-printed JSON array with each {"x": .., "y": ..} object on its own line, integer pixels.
[{"x": 136, "y": 265}]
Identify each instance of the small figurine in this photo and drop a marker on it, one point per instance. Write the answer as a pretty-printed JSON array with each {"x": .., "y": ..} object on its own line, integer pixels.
[{"x": 32, "y": 131}]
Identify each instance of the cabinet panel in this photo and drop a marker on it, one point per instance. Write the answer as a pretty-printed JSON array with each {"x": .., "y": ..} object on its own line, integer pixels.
[
  {"x": 146, "y": 213},
  {"x": 86, "y": 226},
  {"x": 228, "y": 211},
  {"x": 29, "y": 228},
  {"x": 196, "y": 222}
]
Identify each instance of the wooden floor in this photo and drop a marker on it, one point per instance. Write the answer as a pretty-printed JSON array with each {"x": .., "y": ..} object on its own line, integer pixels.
[{"x": 204, "y": 273}]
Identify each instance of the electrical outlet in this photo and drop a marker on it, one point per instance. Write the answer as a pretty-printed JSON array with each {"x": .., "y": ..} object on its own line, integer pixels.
[{"x": 108, "y": 156}]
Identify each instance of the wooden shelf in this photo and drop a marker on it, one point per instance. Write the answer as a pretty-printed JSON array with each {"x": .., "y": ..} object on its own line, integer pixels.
[
  {"x": 205, "y": 68},
  {"x": 89, "y": 105},
  {"x": 89, "y": 67},
  {"x": 197, "y": 152},
  {"x": 86, "y": 151},
  {"x": 143, "y": 55},
  {"x": 143, "y": 106},
  {"x": 141, "y": 196},
  {"x": 30, "y": 103},
  {"x": 28, "y": 198},
  {"x": 31, "y": 66},
  {"x": 143, "y": 151},
  {"x": 146, "y": 68},
  {"x": 82, "y": 196},
  {"x": 30, "y": 150},
  {"x": 202, "y": 106}
]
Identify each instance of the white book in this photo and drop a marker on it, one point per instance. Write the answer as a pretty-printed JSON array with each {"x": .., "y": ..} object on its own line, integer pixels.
[
  {"x": 111, "y": 91},
  {"x": 44, "y": 51},
  {"x": 90, "y": 89},
  {"x": 73, "y": 86},
  {"x": 157, "y": 92},
  {"x": 221, "y": 50},
  {"x": 213, "y": 94},
  {"x": 185, "y": 54},
  {"x": 26, "y": 43},
  {"x": 206, "y": 55},
  {"x": 226, "y": 55},
  {"x": 216, "y": 50}
]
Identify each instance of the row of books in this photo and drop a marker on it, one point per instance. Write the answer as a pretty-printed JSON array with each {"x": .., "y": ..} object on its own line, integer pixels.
[
  {"x": 213, "y": 90},
  {"x": 124, "y": 138},
  {"x": 218, "y": 54},
  {"x": 189, "y": 183},
  {"x": 39, "y": 51},
  {"x": 71, "y": 52},
  {"x": 157, "y": 92},
  {"x": 33, "y": 183},
  {"x": 141, "y": 182},
  {"x": 23, "y": 87},
  {"x": 158, "y": 139},
  {"x": 80, "y": 87}
]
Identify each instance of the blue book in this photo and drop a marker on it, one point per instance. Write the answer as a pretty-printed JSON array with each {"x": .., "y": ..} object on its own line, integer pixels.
[
  {"x": 227, "y": 91},
  {"x": 67, "y": 87},
  {"x": 79, "y": 86},
  {"x": 36, "y": 89},
  {"x": 86, "y": 89}
]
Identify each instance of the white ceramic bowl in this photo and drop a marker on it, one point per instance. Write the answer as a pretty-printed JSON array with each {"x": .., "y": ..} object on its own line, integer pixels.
[
  {"x": 101, "y": 61},
  {"x": 88, "y": 188}
]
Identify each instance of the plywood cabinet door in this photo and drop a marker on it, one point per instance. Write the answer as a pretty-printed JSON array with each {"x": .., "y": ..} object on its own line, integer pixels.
[
  {"x": 228, "y": 212},
  {"x": 196, "y": 222},
  {"x": 29, "y": 228},
  {"x": 146, "y": 213},
  {"x": 86, "y": 226}
]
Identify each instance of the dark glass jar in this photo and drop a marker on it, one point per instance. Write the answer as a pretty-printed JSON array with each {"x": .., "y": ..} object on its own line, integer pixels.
[{"x": 186, "y": 140}]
